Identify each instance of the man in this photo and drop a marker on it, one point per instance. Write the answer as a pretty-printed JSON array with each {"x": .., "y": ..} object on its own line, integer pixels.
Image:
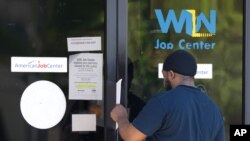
[{"x": 183, "y": 113}]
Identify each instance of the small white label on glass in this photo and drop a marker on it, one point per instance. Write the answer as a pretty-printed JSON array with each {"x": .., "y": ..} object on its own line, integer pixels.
[
  {"x": 204, "y": 71},
  {"x": 84, "y": 43}
]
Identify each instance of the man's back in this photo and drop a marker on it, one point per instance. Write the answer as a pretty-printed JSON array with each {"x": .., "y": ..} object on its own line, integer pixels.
[{"x": 183, "y": 113}]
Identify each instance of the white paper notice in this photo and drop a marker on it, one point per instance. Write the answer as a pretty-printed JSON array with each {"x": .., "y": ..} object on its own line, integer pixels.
[
  {"x": 86, "y": 76},
  {"x": 83, "y": 122},
  {"x": 118, "y": 91},
  {"x": 84, "y": 43},
  {"x": 118, "y": 94}
]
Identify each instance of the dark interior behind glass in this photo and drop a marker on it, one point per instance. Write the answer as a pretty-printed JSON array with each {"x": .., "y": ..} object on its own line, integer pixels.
[{"x": 39, "y": 28}]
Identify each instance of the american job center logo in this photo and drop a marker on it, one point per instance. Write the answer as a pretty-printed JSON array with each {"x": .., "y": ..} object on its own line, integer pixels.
[{"x": 39, "y": 64}]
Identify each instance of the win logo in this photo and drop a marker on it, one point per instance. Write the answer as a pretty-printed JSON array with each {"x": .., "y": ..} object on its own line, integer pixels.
[{"x": 188, "y": 17}]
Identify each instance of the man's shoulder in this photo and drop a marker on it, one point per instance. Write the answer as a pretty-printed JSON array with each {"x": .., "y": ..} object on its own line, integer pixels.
[
  {"x": 163, "y": 96},
  {"x": 170, "y": 93}
]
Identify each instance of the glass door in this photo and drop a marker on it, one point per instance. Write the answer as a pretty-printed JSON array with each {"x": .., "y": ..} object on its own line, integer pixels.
[
  {"x": 158, "y": 27},
  {"x": 40, "y": 28}
]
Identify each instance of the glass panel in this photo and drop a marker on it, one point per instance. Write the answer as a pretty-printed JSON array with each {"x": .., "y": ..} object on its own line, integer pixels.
[
  {"x": 39, "y": 28},
  {"x": 223, "y": 50}
]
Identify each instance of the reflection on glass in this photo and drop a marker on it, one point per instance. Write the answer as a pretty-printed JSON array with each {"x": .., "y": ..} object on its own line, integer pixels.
[{"x": 135, "y": 103}]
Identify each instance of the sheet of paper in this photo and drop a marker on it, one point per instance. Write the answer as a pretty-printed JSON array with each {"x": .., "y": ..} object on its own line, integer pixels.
[
  {"x": 86, "y": 76},
  {"x": 118, "y": 94},
  {"x": 84, "y": 43},
  {"x": 118, "y": 91},
  {"x": 83, "y": 122}
]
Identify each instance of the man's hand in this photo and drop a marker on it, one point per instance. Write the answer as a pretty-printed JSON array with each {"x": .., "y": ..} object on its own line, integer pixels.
[
  {"x": 127, "y": 131},
  {"x": 119, "y": 112}
]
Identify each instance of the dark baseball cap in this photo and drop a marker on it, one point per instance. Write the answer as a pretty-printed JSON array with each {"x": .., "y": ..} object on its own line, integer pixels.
[{"x": 181, "y": 62}]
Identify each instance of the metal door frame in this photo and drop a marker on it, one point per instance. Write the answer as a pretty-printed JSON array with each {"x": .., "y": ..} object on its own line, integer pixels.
[
  {"x": 246, "y": 69},
  {"x": 116, "y": 60}
]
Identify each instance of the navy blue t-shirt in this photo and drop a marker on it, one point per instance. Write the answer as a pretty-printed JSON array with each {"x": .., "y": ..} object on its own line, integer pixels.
[{"x": 182, "y": 114}]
